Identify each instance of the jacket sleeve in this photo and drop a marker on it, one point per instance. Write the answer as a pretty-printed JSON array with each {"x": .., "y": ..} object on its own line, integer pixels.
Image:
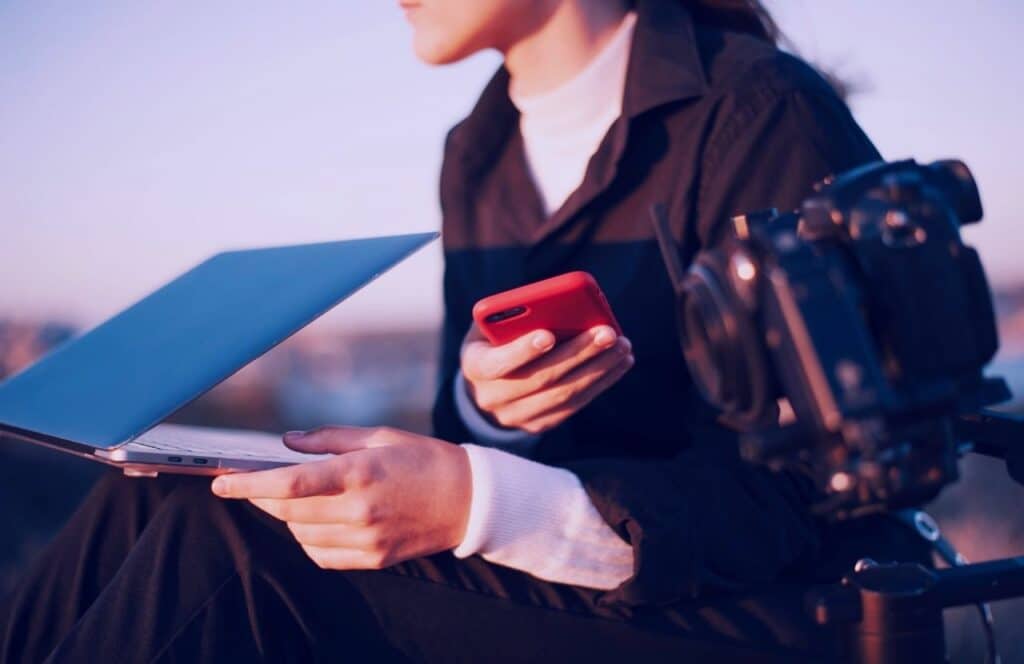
[
  {"x": 707, "y": 520},
  {"x": 703, "y": 521},
  {"x": 770, "y": 151}
]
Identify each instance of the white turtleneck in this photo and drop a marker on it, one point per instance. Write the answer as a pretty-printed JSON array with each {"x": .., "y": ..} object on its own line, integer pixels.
[
  {"x": 562, "y": 128},
  {"x": 524, "y": 514}
]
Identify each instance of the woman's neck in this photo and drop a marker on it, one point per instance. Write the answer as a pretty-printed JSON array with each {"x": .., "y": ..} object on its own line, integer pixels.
[{"x": 563, "y": 45}]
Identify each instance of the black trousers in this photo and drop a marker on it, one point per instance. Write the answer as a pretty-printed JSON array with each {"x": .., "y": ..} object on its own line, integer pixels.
[{"x": 163, "y": 571}]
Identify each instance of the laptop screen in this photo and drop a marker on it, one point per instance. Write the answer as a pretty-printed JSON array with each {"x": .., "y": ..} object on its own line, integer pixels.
[{"x": 129, "y": 373}]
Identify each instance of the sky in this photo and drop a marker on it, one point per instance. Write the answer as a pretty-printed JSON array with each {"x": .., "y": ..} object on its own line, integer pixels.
[{"x": 137, "y": 138}]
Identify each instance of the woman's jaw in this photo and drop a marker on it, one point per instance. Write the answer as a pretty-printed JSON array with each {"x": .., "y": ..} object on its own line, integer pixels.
[{"x": 544, "y": 42}]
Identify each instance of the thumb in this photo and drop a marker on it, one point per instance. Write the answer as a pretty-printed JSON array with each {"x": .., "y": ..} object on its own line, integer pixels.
[
  {"x": 482, "y": 361},
  {"x": 332, "y": 439}
]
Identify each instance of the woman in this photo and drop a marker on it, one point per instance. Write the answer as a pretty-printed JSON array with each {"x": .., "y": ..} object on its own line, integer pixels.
[{"x": 631, "y": 530}]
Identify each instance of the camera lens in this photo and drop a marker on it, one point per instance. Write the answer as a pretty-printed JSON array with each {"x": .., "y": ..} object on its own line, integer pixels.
[
  {"x": 706, "y": 339},
  {"x": 721, "y": 344},
  {"x": 505, "y": 315}
]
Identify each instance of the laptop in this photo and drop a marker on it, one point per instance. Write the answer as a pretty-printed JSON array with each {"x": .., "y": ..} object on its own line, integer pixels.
[{"x": 104, "y": 395}]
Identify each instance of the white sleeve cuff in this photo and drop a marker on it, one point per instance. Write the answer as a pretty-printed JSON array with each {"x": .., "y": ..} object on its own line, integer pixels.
[
  {"x": 539, "y": 519},
  {"x": 485, "y": 433}
]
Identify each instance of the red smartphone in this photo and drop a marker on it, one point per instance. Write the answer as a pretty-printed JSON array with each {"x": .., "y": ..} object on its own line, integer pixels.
[{"x": 567, "y": 305}]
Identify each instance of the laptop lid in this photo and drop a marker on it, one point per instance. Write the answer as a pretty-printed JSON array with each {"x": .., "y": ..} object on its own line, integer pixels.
[{"x": 129, "y": 373}]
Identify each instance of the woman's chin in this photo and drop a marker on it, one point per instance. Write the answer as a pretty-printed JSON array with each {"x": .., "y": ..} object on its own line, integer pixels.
[{"x": 437, "y": 52}]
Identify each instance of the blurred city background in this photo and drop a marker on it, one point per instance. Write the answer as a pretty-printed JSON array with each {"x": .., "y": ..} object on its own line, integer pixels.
[{"x": 138, "y": 138}]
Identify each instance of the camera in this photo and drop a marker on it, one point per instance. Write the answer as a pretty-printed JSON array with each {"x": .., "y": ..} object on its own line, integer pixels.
[{"x": 865, "y": 313}]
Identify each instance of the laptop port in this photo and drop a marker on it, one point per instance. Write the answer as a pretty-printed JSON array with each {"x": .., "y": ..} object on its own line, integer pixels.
[
  {"x": 174, "y": 459},
  {"x": 201, "y": 462}
]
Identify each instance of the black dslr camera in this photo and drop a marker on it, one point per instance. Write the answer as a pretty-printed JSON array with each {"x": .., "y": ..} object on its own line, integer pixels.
[
  {"x": 867, "y": 312},
  {"x": 866, "y": 316}
]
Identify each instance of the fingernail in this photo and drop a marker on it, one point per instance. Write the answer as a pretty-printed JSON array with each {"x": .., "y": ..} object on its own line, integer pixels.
[
  {"x": 292, "y": 435},
  {"x": 543, "y": 340},
  {"x": 604, "y": 337},
  {"x": 627, "y": 344},
  {"x": 220, "y": 485}
]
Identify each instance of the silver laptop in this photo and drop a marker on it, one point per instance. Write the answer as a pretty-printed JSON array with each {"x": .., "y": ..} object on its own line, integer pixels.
[{"x": 104, "y": 395}]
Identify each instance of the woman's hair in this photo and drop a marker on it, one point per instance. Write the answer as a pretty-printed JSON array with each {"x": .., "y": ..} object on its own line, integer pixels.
[{"x": 749, "y": 16}]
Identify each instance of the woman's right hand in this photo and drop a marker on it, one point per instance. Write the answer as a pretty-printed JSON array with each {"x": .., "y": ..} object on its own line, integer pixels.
[{"x": 534, "y": 384}]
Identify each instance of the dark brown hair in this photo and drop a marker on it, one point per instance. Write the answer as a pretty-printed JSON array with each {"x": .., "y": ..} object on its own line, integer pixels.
[{"x": 749, "y": 16}]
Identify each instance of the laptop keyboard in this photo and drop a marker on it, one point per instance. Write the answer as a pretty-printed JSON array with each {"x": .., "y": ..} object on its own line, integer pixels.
[{"x": 226, "y": 443}]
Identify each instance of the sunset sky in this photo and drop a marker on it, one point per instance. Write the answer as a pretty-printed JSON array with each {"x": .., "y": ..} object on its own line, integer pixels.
[{"x": 138, "y": 137}]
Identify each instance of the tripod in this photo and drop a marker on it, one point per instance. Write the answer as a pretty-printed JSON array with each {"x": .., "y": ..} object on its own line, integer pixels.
[{"x": 893, "y": 613}]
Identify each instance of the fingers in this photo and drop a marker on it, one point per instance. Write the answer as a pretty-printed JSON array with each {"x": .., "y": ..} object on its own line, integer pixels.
[
  {"x": 332, "y": 558},
  {"x": 334, "y": 535},
  {"x": 549, "y": 370},
  {"x": 354, "y": 511},
  {"x": 305, "y": 479},
  {"x": 551, "y": 419},
  {"x": 553, "y": 370},
  {"x": 482, "y": 361},
  {"x": 339, "y": 439},
  {"x": 574, "y": 352},
  {"x": 538, "y": 412}
]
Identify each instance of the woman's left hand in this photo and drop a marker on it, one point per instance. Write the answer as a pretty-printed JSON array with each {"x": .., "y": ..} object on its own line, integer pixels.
[{"x": 386, "y": 497}]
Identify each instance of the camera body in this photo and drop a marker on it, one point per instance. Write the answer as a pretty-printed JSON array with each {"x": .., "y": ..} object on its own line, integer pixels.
[{"x": 868, "y": 313}]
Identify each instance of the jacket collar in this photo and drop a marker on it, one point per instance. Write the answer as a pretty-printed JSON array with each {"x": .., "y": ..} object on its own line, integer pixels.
[
  {"x": 664, "y": 64},
  {"x": 664, "y": 67}
]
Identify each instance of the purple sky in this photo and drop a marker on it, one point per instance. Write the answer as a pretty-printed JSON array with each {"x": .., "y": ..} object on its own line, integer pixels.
[{"x": 137, "y": 138}]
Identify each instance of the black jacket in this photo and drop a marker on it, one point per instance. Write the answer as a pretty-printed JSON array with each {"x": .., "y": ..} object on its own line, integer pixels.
[{"x": 714, "y": 124}]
